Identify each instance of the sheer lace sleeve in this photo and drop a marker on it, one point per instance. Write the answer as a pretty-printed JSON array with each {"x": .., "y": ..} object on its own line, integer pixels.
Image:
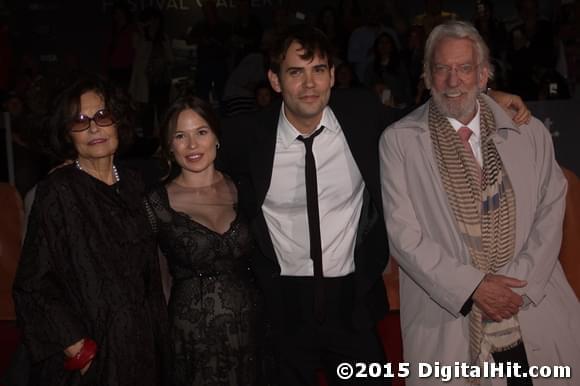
[
  {"x": 157, "y": 212},
  {"x": 150, "y": 215}
]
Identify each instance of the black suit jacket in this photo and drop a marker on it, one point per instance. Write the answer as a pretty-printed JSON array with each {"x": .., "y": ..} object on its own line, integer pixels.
[{"x": 247, "y": 154}]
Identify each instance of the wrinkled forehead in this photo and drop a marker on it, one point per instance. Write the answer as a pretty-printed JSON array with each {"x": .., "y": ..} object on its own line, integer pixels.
[
  {"x": 86, "y": 99},
  {"x": 454, "y": 50}
]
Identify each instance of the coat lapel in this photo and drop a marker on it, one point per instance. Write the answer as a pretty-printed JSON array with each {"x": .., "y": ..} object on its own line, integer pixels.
[
  {"x": 424, "y": 139},
  {"x": 507, "y": 142},
  {"x": 513, "y": 164},
  {"x": 427, "y": 146}
]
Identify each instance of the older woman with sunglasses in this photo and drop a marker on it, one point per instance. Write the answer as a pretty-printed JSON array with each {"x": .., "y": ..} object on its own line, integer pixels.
[{"x": 88, "y": 292}]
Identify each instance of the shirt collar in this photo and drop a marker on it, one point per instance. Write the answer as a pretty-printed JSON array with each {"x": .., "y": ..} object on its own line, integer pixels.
[
  {"x": 473, "y": 125},
  {"x": 287, "y": 133}
]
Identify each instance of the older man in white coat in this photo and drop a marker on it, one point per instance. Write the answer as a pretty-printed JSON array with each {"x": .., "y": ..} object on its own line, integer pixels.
[{"x": 474, "y": 208}]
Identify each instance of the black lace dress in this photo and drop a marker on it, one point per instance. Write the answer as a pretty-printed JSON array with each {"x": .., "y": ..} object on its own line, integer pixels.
[{"x": 213, "y": 308}]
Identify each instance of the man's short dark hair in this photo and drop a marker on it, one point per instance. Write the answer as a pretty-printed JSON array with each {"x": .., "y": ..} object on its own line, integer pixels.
[{"x": 313, "y": 41}]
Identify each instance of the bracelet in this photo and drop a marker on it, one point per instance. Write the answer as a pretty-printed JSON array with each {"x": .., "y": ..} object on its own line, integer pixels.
[{"x": 83, "y": 357}]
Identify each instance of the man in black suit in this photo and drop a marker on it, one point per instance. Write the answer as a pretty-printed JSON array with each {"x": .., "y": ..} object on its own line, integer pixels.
[
  {"x": 309, "y": 183},
  {"x": 318, "y": 320}
]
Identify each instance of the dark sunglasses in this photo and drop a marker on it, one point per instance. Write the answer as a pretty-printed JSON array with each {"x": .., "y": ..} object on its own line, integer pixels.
[{"x": 82, "y": 122}]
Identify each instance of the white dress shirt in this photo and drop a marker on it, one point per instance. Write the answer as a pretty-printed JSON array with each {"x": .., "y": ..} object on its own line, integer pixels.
[
  {"x": 340, "y": 197},
  {"x": 475, "y": 139}
]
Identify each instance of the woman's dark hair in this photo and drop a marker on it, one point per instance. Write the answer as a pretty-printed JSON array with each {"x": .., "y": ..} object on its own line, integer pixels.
[
  {"x": 67, "y": 106},
  {"x": 183, "y": 103},
  {"x": 313, "y": 40}
]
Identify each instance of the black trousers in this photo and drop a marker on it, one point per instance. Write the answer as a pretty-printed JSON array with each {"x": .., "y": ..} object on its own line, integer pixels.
[
  {"x": 515, "y": 355},
  {"x": 306, "y": 345}
]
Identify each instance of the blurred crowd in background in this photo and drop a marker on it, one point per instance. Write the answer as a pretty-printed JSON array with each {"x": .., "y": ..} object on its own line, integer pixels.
[{"x": 223, "y": 59}]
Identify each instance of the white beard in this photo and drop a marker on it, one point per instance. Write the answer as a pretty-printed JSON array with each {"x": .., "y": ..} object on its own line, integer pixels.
[{"x": 461, "y": 108}]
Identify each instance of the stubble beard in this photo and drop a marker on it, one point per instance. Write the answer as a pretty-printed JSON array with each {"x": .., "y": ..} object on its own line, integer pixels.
[{"x": 308, "y": 112}]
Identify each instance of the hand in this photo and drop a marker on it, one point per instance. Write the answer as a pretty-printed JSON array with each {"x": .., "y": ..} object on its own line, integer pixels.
[
  {"x": 509, "y": 103},
  {"x": 495, "y": 297},
  {"x": 86, "y": 368},
  {"x": 73, "y": 350}
]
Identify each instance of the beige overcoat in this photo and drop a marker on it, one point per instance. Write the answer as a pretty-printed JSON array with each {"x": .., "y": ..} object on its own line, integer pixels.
[{"x": 436, "y": 275}]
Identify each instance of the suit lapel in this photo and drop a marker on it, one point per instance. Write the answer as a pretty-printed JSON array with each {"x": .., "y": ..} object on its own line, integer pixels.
[
  {"x": 361, "y": 133},
  {"x": 262, "y": 155},
  {"x": 349, "y": 124}
]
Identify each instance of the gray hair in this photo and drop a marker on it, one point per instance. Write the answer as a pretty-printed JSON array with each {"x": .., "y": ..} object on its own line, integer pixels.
[{"x": 457, "y": 30}]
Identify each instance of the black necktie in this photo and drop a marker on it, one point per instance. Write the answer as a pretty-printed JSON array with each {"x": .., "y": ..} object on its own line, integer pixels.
[{"x": 314, "y": 224}]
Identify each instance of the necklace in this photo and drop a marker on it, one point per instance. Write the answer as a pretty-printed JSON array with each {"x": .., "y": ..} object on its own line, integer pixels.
[{"x": 115, "y": 172}]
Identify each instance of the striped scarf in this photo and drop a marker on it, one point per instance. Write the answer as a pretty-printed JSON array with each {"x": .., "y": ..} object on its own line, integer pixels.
[{"x": 484, "y": 208}]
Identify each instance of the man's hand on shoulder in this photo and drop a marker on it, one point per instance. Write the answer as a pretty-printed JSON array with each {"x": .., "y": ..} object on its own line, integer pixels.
[
  {"x": 495, "y": 297},
  {"x": 512, "y": 103}
]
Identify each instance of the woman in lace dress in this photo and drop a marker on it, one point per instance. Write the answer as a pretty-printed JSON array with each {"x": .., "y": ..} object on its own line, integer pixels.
[{"x": 213, "y": 307}]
